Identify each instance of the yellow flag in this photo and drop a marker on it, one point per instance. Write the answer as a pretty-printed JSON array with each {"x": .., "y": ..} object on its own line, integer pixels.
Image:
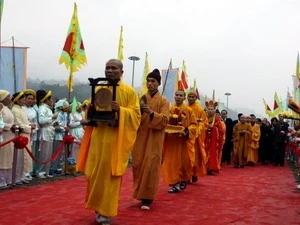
[
  {"x": 196, "y": 89},
  {"x": 146, "y": 72},
  {"x": 120, "y": 49},
  {"x": 277, "y": 105},
  {"x": 73, "y": 54}
]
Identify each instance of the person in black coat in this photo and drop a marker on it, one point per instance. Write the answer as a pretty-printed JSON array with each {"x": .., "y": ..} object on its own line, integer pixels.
[
  {"x": 228, "y": 145},
  {"x": 238, "y": 120},
  {"x": 265, "y": 142},
  {"x": 280, "y": 135}
]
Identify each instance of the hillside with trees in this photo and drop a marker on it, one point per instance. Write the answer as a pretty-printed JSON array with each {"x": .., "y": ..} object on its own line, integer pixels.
[{"x": 82, "y": 91}]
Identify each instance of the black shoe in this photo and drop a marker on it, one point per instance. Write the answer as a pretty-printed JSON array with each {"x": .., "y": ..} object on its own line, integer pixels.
[
  {"x": 25, "y": 182},
  {"x": 33, "y": 175},
  {"x": 146, "y": 201},
  {"x": 235, "y": 166},
  {"x": 182, "y": 185},
  {"x": 251, "y": 163},
  {"x": 173, "y": 190},
  {"x": 209, "y": 172},
  {"x": 58, "y": 172},
  {"x": 194, "y": 179}
]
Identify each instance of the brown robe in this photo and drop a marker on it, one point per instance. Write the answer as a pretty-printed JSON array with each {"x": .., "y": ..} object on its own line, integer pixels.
[{"x": 147, "y": 151}]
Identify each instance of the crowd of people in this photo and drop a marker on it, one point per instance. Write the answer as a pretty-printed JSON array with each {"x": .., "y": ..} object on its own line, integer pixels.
[
  {"x": 183, "y": 141},
  {"x": 35, "y": 116}
]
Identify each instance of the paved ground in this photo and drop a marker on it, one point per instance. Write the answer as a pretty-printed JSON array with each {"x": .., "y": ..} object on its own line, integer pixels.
[{"x": 260, "y": 195}]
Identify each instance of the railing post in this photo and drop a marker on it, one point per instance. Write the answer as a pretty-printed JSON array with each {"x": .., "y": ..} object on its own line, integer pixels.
[{"x": 15, "y": 159}]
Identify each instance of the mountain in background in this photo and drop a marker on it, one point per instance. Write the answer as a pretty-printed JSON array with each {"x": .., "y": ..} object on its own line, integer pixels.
[
  {"x": 82, "y": 91},
  {"x": 247, "y": 112}
]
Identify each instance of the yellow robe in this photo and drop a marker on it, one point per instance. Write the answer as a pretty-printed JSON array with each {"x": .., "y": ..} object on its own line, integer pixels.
[
  {"x": 224, "y": 138},
  {"x": 253, "y": 150},
  {"x": 241, "y": 143},
  {"x": 199, "y": 167},
  {"x": 108, "y": 150},
  {"x": 179, "y": 152},
  {"x": 147, "y": 151}
]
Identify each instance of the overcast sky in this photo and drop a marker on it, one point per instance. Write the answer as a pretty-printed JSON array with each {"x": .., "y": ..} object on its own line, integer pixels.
[{"x": 245, "y": 47}]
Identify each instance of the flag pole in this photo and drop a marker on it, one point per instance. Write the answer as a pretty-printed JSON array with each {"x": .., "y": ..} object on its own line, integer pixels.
[
  {"x": 67, "y": 146},
  {"x": 0, "y": 41},
  {"x": 14, "y": 65},
  {"x": 164, "y": 87},
  {"x": 1, "y": 12},
  {"x": 70, "y": 83}
]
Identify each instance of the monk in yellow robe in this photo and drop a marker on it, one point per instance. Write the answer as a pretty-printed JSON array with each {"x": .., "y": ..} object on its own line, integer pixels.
[
  {"x": 179, "y": 151},
  {"x": 199, "y": 167},
  {"x": 105, "y": 149},
  {"x": 252, "y": 157},
  {"x": 242, "y": 133},
  {"x": 147, "y": 151}
]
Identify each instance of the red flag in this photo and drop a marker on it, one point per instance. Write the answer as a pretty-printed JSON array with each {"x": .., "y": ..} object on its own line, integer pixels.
[
  {"x": 180, "y": 85},
  {"x": 184, "y": 76},
  {"x": 198, "y": 95},
  {"x": 275, "y": 105}
]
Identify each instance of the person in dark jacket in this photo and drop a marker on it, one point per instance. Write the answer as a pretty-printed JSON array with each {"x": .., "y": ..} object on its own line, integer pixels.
[
  {"x": 280, "y": 135},
  {"x": 228, "y": 145}
]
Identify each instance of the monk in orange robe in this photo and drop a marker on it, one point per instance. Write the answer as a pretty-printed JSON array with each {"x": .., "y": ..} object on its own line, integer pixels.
[
  {"x": 179, "y": 151},
  {"x": 104, "y": 151},
  {"x": 252, "y": 157},
  {"x": 147, "y": 151},
  {"x": 199, "y": 166},
  {"x": 242, "y": 133},
  {"x": 214, "y": 139}
]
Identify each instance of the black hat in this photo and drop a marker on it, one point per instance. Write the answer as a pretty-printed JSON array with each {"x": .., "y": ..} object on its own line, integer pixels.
[{"x": 155, "y": 74}]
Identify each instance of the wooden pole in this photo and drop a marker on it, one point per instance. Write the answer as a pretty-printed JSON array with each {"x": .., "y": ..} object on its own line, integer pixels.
[
  {"x": 14, "y": 65},
  {"x": 0, "y": 45},
  {"x": 15, "y": 159},
  {"x": 165, "y": 82}
]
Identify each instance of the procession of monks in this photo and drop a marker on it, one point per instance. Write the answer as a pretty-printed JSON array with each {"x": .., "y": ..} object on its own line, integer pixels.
[{"x": 183, "y": 141}]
